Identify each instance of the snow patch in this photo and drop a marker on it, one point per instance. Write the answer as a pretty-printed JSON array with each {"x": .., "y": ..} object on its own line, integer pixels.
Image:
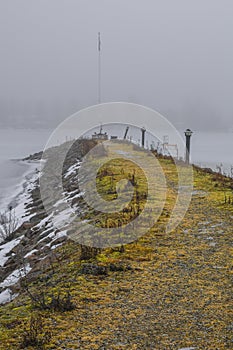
[
  {"x": 61, "y": 219},
  {"x": 56, "y": 246},
  {"x": 15, "y": 276},
  {"x": 23, "y": 196},
  {"x": 44, "y": 222},
  {"x": 72, "y": 169},
  {"x": 30, "y": 253},
  {"x": 6, "y": 296},
  {"x": 6, "y": 248},
  {"x": 56, "y": 236}
]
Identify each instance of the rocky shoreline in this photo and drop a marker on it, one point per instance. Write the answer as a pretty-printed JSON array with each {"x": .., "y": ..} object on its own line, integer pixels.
[{"x": 36, "y": 237}]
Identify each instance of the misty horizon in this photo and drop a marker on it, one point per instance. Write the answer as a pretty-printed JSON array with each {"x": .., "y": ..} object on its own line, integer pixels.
[{"x": 173, "y": 57}]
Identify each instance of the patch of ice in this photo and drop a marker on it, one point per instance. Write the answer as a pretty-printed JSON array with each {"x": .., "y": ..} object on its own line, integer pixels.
[
  {"x": 6, "y": 296},
  {"x": 58, "y": 203},
  {"x": 18, "y": 202},
  {"x": 72, "y": 169},
  {"x": 61, "y": 234},
  {"x": 73, "y": 194},
  {"x": 6, "y": 248},
  {"x": 61, "y": 219},
  {"x": 30, "y": 253},
  {"x": 50, "y": 235},
  {"x": 14, "y": 277},
  {"x": 44, "y": 222},
  {"x": 80, "y": 194},
  {"x": 56, "y": 246},
  {"x": 56, "y": 236},
  {"x": 47, "y": 230}
]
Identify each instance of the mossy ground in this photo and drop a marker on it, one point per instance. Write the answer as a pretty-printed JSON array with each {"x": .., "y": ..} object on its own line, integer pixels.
[{"x": 177, "y": 292}]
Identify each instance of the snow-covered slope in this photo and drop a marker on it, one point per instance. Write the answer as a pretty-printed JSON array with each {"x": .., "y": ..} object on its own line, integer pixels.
[{"x": 37, "y": 236}]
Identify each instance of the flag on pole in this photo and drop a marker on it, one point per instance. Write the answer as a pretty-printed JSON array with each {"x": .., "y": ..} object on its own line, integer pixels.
[{"x": 99, "y": 42}]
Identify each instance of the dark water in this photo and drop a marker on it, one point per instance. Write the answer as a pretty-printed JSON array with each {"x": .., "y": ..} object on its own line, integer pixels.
[
  {"x": 17, "y": 144},
  {"x": 10, "y": 174},
  {"x": 213, "y": 149}
]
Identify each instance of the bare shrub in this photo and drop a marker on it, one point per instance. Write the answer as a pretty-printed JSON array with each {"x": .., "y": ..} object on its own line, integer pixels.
[
  {"x": 88, "y": 253},
  {"x": 8, "y": 225},
  {"x": 35, "y": 335},
  {"x": 56, "y": 301}
]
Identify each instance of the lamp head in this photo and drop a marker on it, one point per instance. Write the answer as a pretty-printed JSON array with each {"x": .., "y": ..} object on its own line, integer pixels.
[{"x": 188, "y": 132}]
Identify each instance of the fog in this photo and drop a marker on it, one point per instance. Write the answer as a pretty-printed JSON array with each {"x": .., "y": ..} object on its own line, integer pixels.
[{"x": 173, "y": 56}]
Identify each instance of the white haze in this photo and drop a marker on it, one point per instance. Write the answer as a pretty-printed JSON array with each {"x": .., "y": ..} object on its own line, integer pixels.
[{"x": 173, "y": 56}]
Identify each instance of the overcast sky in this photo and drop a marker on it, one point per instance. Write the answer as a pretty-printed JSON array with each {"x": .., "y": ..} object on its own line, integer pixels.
[{"x": 173, "y": 56}]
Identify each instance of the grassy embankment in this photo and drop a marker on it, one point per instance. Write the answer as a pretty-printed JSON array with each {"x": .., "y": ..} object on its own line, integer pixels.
[{"x": 164, "y": 291}]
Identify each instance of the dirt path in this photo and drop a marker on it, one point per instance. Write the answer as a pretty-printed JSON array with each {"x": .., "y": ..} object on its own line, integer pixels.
[{"x": 179, "y": 294}]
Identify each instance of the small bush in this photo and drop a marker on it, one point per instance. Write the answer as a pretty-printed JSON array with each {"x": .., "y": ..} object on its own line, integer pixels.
[
  {"x": 62, "y": 303},
  {"x": 54, "y": 301},
  {"x": 119, "y": 267},
  {"x": 93, "y": 269},
  {"x": 8, "y": 225},
  {"x": 35, "y": 336},
  {"x": 88, "y": 253}
]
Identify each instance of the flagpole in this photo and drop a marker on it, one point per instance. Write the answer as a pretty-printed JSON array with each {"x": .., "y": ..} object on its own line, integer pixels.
[{"x": 99, "y": 69}]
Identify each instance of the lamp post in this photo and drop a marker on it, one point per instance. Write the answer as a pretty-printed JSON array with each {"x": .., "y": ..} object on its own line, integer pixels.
[
  {"x": 143, "y": 130},
  {"x": 188, "y": 133}
]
